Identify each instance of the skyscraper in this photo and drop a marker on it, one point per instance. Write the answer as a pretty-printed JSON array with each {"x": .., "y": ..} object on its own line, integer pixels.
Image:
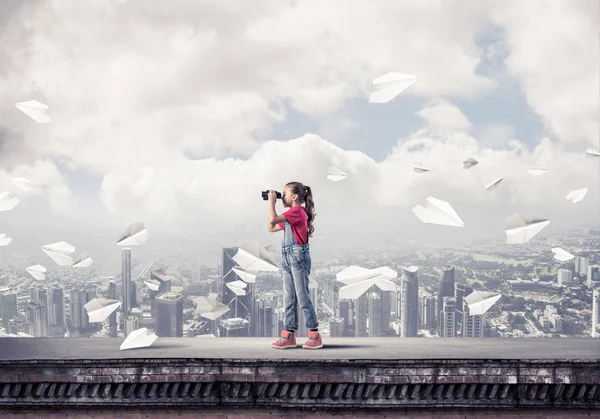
[
  {"x": 164, "y": 285},
  {"x": 409, "y": 318},
  {"x": 79, "y": 298},
  {"x": 37, "y": 315},
  {"x": 595, "y": 311},
  {"x": 462, "y": 290},
  {"x": 126, "y": 281},
  {"x": 169, "y": 315},
  {"x": 447, "y": 318},
  {"x": 374, "y": 304},
  {"x": 445, "y": 289},
  {"x": 8, "y": 306},
  {"x": 56, "y": 306},
  {"x": 472, "y": 324},
  {"x": 112, "y": 318}
]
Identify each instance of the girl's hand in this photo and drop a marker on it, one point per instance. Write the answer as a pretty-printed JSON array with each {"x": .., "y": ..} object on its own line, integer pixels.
[{"x": 272, "y": 196}]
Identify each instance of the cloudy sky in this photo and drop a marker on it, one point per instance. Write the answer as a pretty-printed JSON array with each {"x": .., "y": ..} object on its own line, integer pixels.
[{"x": 179, "y": 113}]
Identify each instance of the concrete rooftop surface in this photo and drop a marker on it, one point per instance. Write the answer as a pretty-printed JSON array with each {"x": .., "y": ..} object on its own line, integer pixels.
[{"x": 334, "y": 349}]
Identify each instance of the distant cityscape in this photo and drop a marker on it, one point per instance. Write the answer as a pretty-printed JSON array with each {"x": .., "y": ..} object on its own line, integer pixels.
[{"x": 540, "y": 296}]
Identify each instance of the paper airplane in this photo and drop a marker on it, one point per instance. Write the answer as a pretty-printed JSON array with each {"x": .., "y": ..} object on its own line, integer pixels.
[
  {"x": 592, "y": 152},
  {"x": 359, "y": 280},
  {"x": 481, "y": 301},
  {"x": 439, "y": 212},
  {"x": 334, "y": 174},
  {"x": 60, "y": 252},
  {"x": 8, "y": 202},
  {"x": 521, "y": 229},
  {"x": 135, "y": 235},
  {"x": 561, "y": 254},
  {"x": 35, "y": 110},
  {"x": 83, "y": 261},
  {"x": 4, "y": 239},
  {"x": 21, "y": 183},
  {"x": 390, "y": 85},
  {"x": 153, "y": 284},
  {"x": 210, "y": 308},
  {"x": 251, "y": 257},
  {"x": 36, "y": 271},
  {"x": 238, "y": 287},
  {"x": 493, "y": 183},
  {"x": 247, "y": 277},
  {"x": 98, "y": 309},
  {"x": 141, "y": 338},
  {"x": 576, "y": 196},
  {"x": 470, "y": 162},
  {"x": 536, "y": 171},
  {"x": 420, "y": 169},
  {"x": 168, "y": 272}
]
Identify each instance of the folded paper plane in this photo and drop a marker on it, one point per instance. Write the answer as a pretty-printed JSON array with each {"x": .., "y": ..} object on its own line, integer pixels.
[
  {"x": 561, "y": 254},
  {"x": 576, "y": 196},
  {"x": 420, "y": 169},
  {"x": 537, "y": 171},
  {"x": 4, "y": 239},
  {"x": 522, "y": 229},
  {"x": 470, "y": 162},
  {"x": 481, "y": 301},
  {"x": 84, "y": 260},
  {"x": 140, "y": 338},
  {"x": 335, "y": 175},
  {"x": 592, "y": 152},
  {"x": 210, "y": 308},
  {"x": 390, "y": 85},
  {"x": 439, "y": 212},
  {"x": 36, "y": 271},
  {"x": 359, "y": 280},
  {"x": 135, "y": 235},
  {"x": 7, "y": 201},
  {"x": 98, "y": 309},
  {"x": 35, "y": 110},
  {"x": 494, "y": 183},
  {"x": 254, "y": 258},
  {"x": 60, "y": 252},
  {"x": 21, "y": 183}
]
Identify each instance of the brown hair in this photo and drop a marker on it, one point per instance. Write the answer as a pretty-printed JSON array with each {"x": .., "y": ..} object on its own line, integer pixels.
[{"x": 305, "y": 194}]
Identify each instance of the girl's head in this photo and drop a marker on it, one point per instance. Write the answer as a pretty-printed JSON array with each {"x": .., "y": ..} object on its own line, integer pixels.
[{"x": 295, "y": 193}]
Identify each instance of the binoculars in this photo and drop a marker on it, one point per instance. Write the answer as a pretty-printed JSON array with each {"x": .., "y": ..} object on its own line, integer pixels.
[{"x": 265, "y": 195}]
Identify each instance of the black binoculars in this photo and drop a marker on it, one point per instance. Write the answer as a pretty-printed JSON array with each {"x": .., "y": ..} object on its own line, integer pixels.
[{"x": 265, "y": 195}]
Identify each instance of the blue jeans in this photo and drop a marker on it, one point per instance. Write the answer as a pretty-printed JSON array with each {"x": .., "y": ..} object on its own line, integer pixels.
[{"x": 296, "y": 265}]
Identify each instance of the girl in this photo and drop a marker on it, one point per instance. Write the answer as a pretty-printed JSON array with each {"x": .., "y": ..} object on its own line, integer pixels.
[{"x": 297, "y": 226}]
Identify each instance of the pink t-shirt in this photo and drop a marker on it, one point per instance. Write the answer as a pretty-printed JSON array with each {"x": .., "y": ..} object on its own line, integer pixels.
[{"x": 298, "y": 220}]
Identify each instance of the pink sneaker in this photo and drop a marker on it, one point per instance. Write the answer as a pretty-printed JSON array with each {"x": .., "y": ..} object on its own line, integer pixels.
[
  {"x": 287, "y": 340},
  {"x": 314, "y": 341}
]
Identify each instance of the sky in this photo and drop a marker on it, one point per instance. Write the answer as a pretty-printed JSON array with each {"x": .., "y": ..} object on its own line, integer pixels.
[{"x": 180, "y": 113}]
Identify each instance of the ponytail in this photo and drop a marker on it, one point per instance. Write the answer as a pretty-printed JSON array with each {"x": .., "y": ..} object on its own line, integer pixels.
[{"x": 309, "y": 207}]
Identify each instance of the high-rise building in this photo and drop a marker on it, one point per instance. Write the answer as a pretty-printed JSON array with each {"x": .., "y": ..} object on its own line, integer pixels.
[
  {"x": 126, "y": 281},
  {"x": 234, "y": 327},
  {"x": 131, "y": 324},
  {"x": 346, "y": 312},
  {"x": 564, "y": 276},
  {"x": 375, "y": 306},
  {"x": 8, "y": 306},
  {"x": 37, "y": 315},
  {"x": 595, "y": 311},
  {"x": 263, "y": 319},
  {"x": 361, "y": 316},
  {"x": 164, "y": 285},
  {"x": 445, "y": 289},
  {"x": 472, "y": 324},
  {"x": 461, "y": 291},
  {"x": 447, "y": 324},
  {"x": 79, "y": 298},
  {"x": 593, "y": 276},
  {"x": 56, "y": 306},
  {"x": 428, "y": 311},
  {"x": 336, "y": 327},
  {"x": 386, "y": 312},
  {"x": 409, "y": 320},
  {"x": 112, "y": 318},
  {"x": 581, "y": 265},
  {"x": 169, "y": 315}
]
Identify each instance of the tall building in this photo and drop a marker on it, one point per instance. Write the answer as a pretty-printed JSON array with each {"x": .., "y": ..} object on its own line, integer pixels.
[
  {"x": 564, "y": 276},
  {"x": 264, "y": 317},
  {"x": 445, "y": 289},
  {"x": 112, "y": 318},
  {"x": 447, "y": 324},
  {"x": 37, "y": 315},
  {"x": 595, "y": 311},
  {"x": 428, "y": 311},
  {"x": 409, "y": 319},
  {"x": 336, "y": 327},
  {"x": 79, "y": 298},
  {"x": 163, "y": 284},
  {"x": 472, "y": 324},
  {"x": 360, "y": 308},
  {"x": 8, "y": 307},
  {"x": 581, "y": 265},
  {"x": 169, "y": 315},
  {"x": 313, "y": 290},
  {"x": 461, "y": 291},
  {"x": 374, "y": 304},
  {"x": 593, "y": 276},
  {"x": 386, "y": 312},
  {"x": 126, "y": 281},
  {"x": 56, "y": 306},
  {"x": 346, "y": 312}
]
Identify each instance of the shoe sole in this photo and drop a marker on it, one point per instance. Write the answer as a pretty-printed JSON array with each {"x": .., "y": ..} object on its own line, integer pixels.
[
  {"x": 312, "y": 347},
  {"x": 284, "y": 347}
]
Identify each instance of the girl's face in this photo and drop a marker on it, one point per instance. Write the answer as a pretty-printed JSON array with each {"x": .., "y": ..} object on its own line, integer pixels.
[{"x": 286, "y": 197}]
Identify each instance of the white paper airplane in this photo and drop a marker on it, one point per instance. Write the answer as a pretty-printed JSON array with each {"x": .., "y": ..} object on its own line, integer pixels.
[
  {"x": 420, "y": 169},
  {"x": 4, "y": 239},
  {"x": 592, "y": 152},
  {"x": 522, "y": 229},
  {"x": 37, "y": 272},
  {"x": 141, "y": 338},
  {"x": 254, "y": 258},
  {"x": 83, "y": 261},
  {"x": 334, "y": 174},
  {"x": 153, "y": 284},
  {"x": 439, "y": 212},
  {"x": 238, "y": 287},
  {"x": 390, "y": 85},
  {"x": 35, "y": 110},
  {"x": 210, "y": 308},
  {"x": 60, "y": 252},
  {"x": 168, "y": 272},
  {"x": 98, "y": 309},
  {"x": 576, "y": 196},
  {"x": 536, "y": 171},
  {"x": 359, "y": 280},
  {"x": 135, "y": 235},
  {"x": 21, "y": 183},
  {"x": 561, "y": 254},
  {"x": 470, "y": 162},
  {"x": 247, "y": 277},
  {"x": 493, "y": 183},
  {"x": 481, "y": 301},
  {"x": 7, "y": 201}
]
